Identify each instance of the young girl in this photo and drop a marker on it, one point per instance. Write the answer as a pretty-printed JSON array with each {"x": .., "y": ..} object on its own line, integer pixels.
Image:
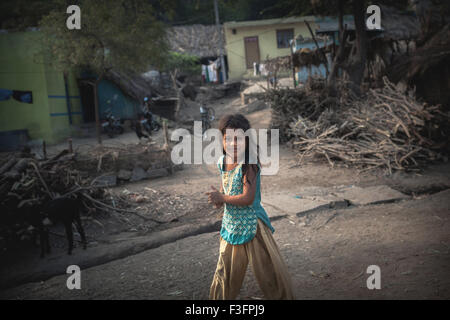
[{"x": 246, "y": 233}]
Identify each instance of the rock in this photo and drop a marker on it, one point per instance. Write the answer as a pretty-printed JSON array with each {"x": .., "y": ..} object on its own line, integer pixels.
[
  {"x": 189, "y": 92},
  {"x": 105, "y": 181},
  {"x": 214, "y": 92},
  {"x": 372, "y": 195},
  {"x": 124, "y": 174},
  {"x": 153, "y": 77},
  {"x": 156, "y": 173},
  {"x": 138, "y": 174},
  {"x": 254, "y": 106}
]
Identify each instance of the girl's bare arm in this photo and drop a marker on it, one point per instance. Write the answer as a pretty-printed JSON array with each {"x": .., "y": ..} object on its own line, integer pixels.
[
  {"x": 220, "y": 204},
  {"x": 248, "y": 193}
]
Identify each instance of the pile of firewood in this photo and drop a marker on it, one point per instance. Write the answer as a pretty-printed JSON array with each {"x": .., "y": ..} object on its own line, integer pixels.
[
  {"x": 384, "y": 128},
  {"x": 307, "y": 57},
  {"x": 306, "y": 103},
  {"x": 26, "y": 180},
  {"x": 29, "y": 180}
]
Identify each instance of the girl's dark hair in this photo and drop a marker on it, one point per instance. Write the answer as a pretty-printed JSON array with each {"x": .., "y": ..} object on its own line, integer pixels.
[{"x": 238, "y": 121}]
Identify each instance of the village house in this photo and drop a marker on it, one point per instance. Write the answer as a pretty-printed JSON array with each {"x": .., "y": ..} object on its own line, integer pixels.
[
  {"x": 247, "y": 42},
  {"x": 203, "y": 42},
  {"x": 63, "y": 106},
  {"x": 54, "y": 102},
  {"x": 59, "y": 106},
  {"x": 255, "y": 42}
]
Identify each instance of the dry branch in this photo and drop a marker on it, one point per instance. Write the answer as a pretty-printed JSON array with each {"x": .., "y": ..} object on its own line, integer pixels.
[{"x": 384, "y": 128}]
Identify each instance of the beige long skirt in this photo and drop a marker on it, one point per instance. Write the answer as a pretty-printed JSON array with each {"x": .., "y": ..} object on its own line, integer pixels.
[{"x": 267, "y": 265}]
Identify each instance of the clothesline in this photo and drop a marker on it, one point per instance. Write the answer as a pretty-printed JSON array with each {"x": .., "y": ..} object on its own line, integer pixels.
[{"x": 210, "y": 73}]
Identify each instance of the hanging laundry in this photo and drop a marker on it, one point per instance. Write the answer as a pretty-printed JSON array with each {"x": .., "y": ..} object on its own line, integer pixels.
[
  {"x": 256, "y": 69},
  {"x": 212, "y": 73},
  {"x": 262, "y": 69},
  {"x": 204, "y": 73}
]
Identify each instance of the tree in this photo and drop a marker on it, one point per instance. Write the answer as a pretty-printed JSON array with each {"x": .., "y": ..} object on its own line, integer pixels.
[
  {"x": 181, "y": 63},
  {"x": 19, "y": 14},
  {"x": 353, "y": 63},
  {"x": 202, "y": 11},
  {"x": 123, "y": 35}
]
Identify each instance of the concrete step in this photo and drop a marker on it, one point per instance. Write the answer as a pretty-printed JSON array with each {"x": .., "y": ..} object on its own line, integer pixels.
[{"x": 314, "y": 198}]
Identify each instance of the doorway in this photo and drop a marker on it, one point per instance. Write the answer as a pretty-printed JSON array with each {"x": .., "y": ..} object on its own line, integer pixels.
[
  {"x": 87, "y": 101},
  {"x": 251, "y": 51}
]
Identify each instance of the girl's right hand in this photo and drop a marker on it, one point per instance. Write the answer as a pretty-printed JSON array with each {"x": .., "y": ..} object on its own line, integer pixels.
[{"x": 215, "y": 197}]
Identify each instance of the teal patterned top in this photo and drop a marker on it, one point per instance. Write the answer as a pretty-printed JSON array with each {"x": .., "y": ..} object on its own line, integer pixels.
[{"x": 239, "y": 223}]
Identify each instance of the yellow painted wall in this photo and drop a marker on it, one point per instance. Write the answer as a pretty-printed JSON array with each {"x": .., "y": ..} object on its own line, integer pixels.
[
  {"x": 19, "y": 71},
  {"x": 57, "y": 103},
  {"x": 22, "y": 68},
  {"x": 267, "y": 37}
]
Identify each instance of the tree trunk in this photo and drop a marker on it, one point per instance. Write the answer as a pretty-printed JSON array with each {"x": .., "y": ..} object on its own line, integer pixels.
[
  {"x": 430, "y": 17},
  {"x": 357, "y": 63},
  {"x": 339, "y": 56},
  {"x": 173, "y": 75},
  {"x": 97, "y": 114}
]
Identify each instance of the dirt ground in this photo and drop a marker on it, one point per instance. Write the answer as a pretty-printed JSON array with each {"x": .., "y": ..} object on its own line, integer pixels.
[
  {"x": 327, "y": 251},
  {"x": 409, "y": 241}
]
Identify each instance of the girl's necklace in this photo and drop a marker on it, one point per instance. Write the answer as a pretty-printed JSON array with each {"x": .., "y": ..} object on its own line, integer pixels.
[
  {"x": 230, "y": 182},
  {"x": 229, "y": 178}
]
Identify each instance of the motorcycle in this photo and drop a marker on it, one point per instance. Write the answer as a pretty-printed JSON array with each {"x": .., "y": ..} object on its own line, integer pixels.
[
  {"x": 111, "y": 125},
  {"x": 149, "y": 123},
  {"x": 208, "y": 115}
]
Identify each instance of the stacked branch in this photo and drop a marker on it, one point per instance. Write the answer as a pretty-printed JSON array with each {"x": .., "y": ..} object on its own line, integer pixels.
[
  {"x": 385, "y": 128},
  {"x": 28, "y": 182}
]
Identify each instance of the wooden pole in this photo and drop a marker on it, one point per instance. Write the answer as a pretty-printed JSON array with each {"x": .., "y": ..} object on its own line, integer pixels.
[
  {"x": 219, "y": 29},
  {"x": 167, "y": 146},
  {"x": 292, "y": 62},
  {"x": 44, "y": 149},
  {"x": 318, "y": 48},
  {"x": 70, "y": 145}
]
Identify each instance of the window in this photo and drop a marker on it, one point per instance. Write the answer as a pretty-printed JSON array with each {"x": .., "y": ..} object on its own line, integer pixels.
[{"x": 283, "y": 37}]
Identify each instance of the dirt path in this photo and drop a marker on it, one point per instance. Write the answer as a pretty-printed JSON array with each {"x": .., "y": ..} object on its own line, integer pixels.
[
  {"x": 327, "y": 251},
  {"x": 408, "y": 240}
]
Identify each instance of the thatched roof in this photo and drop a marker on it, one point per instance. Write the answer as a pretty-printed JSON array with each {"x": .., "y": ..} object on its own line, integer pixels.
[
  {"x": 198, "y": 40},
  {"x": 133, "y": 86}
]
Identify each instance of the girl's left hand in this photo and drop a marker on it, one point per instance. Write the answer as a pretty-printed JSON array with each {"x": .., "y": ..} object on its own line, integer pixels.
[{"x": 215, "y": 197}]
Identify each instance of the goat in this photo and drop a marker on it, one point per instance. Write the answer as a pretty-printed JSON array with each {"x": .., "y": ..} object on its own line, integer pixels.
[
  {"x": 67, "y": 211},
  {"x": 41, "y": 215}
]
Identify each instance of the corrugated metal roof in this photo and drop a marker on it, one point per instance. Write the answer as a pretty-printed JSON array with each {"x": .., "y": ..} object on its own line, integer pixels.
[
  {"x": 395, "y": 24},
  {"x": 265, "y": 22}
]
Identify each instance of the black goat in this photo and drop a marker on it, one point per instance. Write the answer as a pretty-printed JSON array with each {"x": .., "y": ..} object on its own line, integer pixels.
[{"x": 67, "y": 211}]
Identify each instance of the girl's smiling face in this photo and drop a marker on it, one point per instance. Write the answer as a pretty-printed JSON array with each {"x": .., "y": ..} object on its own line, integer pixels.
[{"x": 234, "y": 144}]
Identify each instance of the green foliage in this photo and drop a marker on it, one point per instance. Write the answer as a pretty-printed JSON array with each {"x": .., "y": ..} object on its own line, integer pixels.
[
  {"x": 17, "y": 15},
  {"x": 202, "y": 11},
  {"x": 184, "y": 63},
  {"x": 119, "y": 34}
]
